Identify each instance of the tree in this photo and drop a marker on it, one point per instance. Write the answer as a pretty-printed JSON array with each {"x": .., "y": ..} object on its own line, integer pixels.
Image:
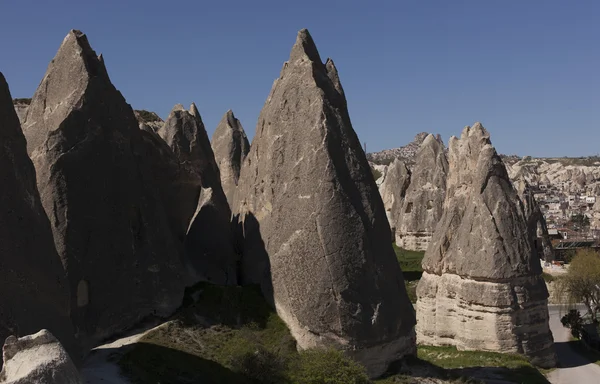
[
  {"x": 573, "y": 321},
  {"x": 580, "y": 219},
  {"x": 582, "y": 281}
]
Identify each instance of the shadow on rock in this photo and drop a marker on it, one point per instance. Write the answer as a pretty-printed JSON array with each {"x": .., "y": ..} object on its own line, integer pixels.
[{"x": 254, "y": 265}]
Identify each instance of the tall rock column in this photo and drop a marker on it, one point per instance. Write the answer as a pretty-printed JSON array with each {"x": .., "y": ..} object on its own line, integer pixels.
[
  {"x": 536, "y": 223},
  {"x": 421, "y": 209},
  {"x": 482, "y": 287},
  {"x": 230, "y": 145},
  {"x": 101, "y": 195},
  {"x": 209, "y": 241},
  {"x": 34, "y": 293},
  {"x": 315, "y": 232},
  {"x": 393, "y": 190}
]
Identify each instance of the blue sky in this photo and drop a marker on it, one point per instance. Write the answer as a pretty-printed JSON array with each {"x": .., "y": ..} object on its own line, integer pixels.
[{"x": 528, "y": 70}]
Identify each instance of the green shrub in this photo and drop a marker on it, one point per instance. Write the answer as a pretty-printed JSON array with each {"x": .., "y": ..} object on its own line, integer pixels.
[
  {"x": 261, "y": 365},
  {"x": 327, "y": 367}
]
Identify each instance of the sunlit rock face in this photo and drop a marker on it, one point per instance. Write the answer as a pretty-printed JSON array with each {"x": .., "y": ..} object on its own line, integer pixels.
[
  {"x": 481, "y": 287},
  {"x": 313, "y": 228}
]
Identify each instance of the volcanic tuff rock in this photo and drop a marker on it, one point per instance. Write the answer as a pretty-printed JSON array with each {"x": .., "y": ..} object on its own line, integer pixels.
[
  {"x": 21, "y": 109},
  {"x": 97, "y": 186},
  {"x": 209, "y": 241},
  {"x": 230, "y": 145},
  {"x": 481, "y": 286},
  {"x": 37, "y": 358},
  {"x": 536, "y": 223},
  {"x": 396, "y": 180},
  {"x": 33, "y": 285},
  {"x": 149, "y": 119},
  {"x": 416, "y": 218},
  {"x": 315, "y": 232}
]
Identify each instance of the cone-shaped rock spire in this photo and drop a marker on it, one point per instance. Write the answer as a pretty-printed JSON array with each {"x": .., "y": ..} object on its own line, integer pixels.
[
  {"x": 34, "y": 293},
  {"x": 415, "y": 219},
  {"x": 481, "y": 286},
  {"x": 101, "y": 195},
  {"x": 230, "y": 145},
  {"x": 209, "y": 240},
  {"x": 311, "y": 216}
]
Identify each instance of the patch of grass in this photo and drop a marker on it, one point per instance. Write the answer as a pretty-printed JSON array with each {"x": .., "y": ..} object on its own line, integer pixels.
[
  {"x": 410, "y": 262},
  {"x": 231, "y": 335},
  {"x": 548, "y": 278},
  {"x": 483, "y": 364}
]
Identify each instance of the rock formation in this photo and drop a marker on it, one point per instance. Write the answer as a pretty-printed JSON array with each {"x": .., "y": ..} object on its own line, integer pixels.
[
  {"x": 415, "y": 219},
  {"x": 393, "y": 190},
  {"x": 101, "y": 195},
  {"x": 149, "y": 119},
  {"x": 481, "y": 287},
  {"x": 315, "y": 233},
  {"x": 230, "y": 145},
  {"x": 35, "y": 293},
  {"x": 37, "y": 358},
  {"x": 21, "y": 107},
  {"x": 209, "y": 240},
  {"x": 536, "y": 223}
]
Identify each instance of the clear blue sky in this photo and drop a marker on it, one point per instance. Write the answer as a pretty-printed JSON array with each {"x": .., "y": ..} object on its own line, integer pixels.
[{"x": 528, "y": 70}]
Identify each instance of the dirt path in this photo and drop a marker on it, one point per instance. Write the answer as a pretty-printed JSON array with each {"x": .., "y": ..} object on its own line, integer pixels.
[{"x": 576, "y": 369}]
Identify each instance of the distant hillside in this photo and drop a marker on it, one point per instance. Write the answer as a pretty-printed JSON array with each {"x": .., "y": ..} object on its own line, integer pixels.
[{"x": 406, "y": 153}]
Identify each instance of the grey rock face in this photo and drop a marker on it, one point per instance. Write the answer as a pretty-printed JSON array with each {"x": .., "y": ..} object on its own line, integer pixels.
[
  {"x": 481, "y": 287},
  {"x": 38, "y": 358},
  {"x": 315, "y": 235},
  {"x": 536, "y": 223},
  {"x": 415, "y": 220},
  {"x": 21, "y": 110},
  {"x": 35, "y": 293},
  {"x": 393, "y": 190},
  {"x": 209, "y": 240},
  {"x": 101, "y": 195},
  {"x": 230, "y": 145}
]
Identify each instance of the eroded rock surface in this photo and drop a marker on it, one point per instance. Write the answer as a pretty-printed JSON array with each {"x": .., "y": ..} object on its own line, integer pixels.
[
  {"x": 536, "y": 223},
  {"x": 396, "y": 180},
  {"x": 34, "y": 290},
  {"x": 481, "y": 287},
  {"x": 102, "y": 196},
  {"x": 209, "y": 241},
  {"x": 37, "y": 358},
  {"x": 421, "y": 209},
  {"x": 315, "y": 234},
  {"x": 230, "y": 145}
]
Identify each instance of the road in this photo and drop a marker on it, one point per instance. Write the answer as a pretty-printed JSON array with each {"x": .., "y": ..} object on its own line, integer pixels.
[{"x": 575, "y": 368}]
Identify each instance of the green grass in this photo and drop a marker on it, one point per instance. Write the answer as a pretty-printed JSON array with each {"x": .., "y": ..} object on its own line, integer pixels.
[
  {"x": 231, "y": 335},
  {"x": 548, "y": 278},
  {"x": 410, "y": 262}
]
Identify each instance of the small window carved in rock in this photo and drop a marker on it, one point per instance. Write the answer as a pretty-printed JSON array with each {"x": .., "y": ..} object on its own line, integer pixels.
[
  {"x": 408, "y": 208},
  {"x": 83, "y": 293}
]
